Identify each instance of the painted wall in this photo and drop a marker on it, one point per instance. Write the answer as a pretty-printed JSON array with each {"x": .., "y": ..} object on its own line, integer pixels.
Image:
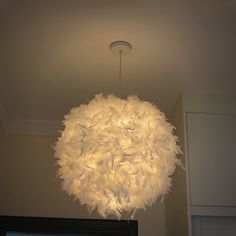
[
  {"x": 29, "y": 186},
  {"x": 2, "y": 135}
]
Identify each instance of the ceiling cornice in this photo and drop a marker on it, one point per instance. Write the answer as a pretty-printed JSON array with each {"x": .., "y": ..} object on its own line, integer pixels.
[
  {"x": 3, "y": 116},
  {"x": 3, "y": 112},
  {"x": 28, "y": 127},
  {"x": 23, "y": 126},
  {"x": 34, "y": 127}
]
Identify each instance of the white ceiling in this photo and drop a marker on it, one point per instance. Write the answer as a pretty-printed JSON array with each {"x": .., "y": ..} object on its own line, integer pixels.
[{"x": 54, "y": 55}]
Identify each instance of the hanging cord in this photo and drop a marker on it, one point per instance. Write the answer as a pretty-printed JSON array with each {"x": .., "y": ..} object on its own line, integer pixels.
[
  {"x": 120, "y": 82},
  {"x": 120, "y": 48}
]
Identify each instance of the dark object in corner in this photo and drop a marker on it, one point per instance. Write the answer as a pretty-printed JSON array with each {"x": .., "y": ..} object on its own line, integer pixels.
[{"x": 70, "y": 227}]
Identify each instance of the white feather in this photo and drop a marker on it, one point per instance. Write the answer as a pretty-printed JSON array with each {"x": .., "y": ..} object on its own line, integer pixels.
[{"x": 116, "y": 155}]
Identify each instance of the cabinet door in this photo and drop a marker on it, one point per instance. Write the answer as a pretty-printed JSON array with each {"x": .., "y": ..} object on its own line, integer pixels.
[{"x": 212, "y": 159}]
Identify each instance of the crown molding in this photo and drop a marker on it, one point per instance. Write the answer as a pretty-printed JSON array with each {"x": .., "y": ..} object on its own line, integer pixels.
[
  {"x": 23, "y": 126},
  {"x": 3, "y": 112},
  {"x": 34, "y": 127},
  {"x": 29, "y": 127},
  {"x": 3, "y": 117}
]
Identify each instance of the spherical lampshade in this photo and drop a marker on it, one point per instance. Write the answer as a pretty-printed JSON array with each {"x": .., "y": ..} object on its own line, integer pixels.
[{"x": 116, "y": 155}]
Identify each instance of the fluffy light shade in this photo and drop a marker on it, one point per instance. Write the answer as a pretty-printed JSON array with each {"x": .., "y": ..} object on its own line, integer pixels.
[{"x": 116, "y": 155}]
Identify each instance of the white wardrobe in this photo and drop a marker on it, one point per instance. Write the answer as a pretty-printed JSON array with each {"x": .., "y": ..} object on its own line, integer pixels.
[{"x": 203, "y": 197}]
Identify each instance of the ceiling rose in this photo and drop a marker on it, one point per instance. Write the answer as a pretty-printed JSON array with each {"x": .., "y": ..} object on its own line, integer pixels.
[{"x": 116, "y": 155}]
